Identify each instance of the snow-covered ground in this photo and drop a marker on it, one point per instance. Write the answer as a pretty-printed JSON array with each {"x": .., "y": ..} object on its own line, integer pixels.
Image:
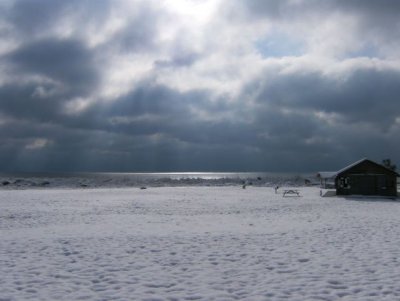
[{"x": 196, "y": 243}]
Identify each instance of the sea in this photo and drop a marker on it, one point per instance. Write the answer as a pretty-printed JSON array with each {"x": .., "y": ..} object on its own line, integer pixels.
[{"x": 144, "y": 180}]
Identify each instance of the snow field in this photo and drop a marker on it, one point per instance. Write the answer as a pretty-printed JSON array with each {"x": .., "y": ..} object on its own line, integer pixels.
[{"x": 196, "y": 243}]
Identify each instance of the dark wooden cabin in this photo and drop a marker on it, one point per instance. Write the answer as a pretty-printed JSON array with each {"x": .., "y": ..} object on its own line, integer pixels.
[{"x": 366, "y": 177}]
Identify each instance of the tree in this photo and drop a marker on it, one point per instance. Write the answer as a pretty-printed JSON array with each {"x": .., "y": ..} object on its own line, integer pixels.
[{"x": 388, "y": 164}]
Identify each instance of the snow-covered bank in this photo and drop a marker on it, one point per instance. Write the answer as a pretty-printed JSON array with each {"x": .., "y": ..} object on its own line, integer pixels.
[
  {"x": 118, "y": 180},
  {"x": 196, "y": 243}
]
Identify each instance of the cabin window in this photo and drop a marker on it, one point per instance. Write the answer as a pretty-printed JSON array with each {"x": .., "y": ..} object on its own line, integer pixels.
[{"x": 344, "y": 183}]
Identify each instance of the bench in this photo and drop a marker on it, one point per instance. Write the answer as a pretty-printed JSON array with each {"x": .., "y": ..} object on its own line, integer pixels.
[{"x": 291, "y": 192}]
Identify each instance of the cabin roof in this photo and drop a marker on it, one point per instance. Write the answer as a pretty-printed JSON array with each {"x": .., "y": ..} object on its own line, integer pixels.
[
  {"x": 333, "y": 174},
  {"x": 327, "y": 174},
  {"x": 352, "y": 165}
]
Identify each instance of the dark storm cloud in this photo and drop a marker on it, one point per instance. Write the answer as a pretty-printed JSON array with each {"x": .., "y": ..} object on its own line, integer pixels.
[
  {"x": 153, "y": 127},
  {"x": 66, "y": 69},
  {"x": 40, "y": 16},
  {"x": 30, "y": 17},
  {"x": 181, "y": 59},
  {"x": 18, "y": 101},
  {"x": 377, "y": 20},
  {"x": 363, "y": 95},
  {"x": 223, "y": 140},
  {"x": 67, "y": 61},
  {"x": 140, "y": 34},
  {"x": 275, "y": 10},
  {"x": 301, "y": 119},
  {"x": 373, "y": 10},
  {"x": 156, "y": 109},
  {"x": 179, "y": 134},
  {"x": 359, "y": 111},
  {"x": 154, "y": 99},
  {"x": 178, "y": 145}
]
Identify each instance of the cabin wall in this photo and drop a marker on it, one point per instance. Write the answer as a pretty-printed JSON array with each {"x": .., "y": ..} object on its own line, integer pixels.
[
  {"x": 366, "y": 184},
  {"x": 366, "y": 179}
]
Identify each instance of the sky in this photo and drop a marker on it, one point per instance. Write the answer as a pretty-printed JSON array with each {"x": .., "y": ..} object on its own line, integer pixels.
[{"x": 198, "y": 85}]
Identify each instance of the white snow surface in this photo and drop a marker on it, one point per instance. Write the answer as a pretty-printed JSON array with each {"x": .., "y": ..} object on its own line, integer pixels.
[{"x": 196, "y": 243}]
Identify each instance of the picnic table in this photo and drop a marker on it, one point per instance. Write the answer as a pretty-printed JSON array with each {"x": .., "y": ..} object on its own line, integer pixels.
[{"x": 291, "y": 192}]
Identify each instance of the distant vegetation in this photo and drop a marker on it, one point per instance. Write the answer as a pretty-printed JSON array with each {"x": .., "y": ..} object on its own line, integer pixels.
[{"x": 388, "y": 164}]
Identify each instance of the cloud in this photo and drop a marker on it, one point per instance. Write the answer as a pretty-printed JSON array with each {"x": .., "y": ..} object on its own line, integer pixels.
[
  {"x": 38, "y": 143},
  {"x": 189, "y": 85},
  {"x": 26, "y": 22},
  {"x": 364, "y": 93},
  {"x": 328, "y": 27},
  {"x": 66, "y": 61}
]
